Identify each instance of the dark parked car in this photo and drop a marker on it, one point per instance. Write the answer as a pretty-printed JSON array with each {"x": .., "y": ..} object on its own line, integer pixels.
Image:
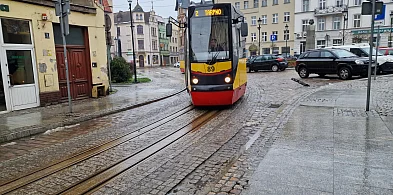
[
  {"x": 332, "y": 61},
  {"x": 267, "y": 62}
]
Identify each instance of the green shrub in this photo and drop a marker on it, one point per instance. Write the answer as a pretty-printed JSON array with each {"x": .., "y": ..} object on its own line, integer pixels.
[{"x": 120, "y": 70}]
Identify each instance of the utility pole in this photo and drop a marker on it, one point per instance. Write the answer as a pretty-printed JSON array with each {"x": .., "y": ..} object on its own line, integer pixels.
[
  {"x": 132, "y": 41},
  {"x": 63, "y": 9},
  {"x": 370, "y": 56}
]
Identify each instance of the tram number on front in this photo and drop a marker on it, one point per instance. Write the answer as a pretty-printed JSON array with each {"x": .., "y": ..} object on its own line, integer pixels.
[{"x": 210, "y": 69}]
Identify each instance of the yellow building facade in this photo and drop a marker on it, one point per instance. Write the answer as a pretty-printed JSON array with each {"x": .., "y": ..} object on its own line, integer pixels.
[{"x": 32, "y": 58}]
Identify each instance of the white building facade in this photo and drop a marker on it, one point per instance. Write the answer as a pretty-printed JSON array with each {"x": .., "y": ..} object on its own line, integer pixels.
[
  {"x": 146, "y": 37},
  {"x": 337, "y": 22}
]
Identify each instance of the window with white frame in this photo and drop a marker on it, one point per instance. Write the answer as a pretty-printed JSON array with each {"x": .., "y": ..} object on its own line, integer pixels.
[
  {"x": 256, "y": 3},
  {"x": 339, "y": 3},
  {"x": 322, "y": 4},
  {"x": 357, "y": 2},
  {"x": 253, "y": 37},
  {"x": 304, "y": 25},
  {"x": 275, "y": 33},
  {"x": 321, "y": 24},
  {"x": 321, "y": 43},
  {"x": 287, "y": 16},
  {"x": 264, "y": 3},
  {"x": 264, "y": 19},
  {"x": 336, "y": 23},
  {"x": 275, "y": 18},
  {"x": 275, "y": 2},
  {"x": 305, "y": 5},
  {"x": 237, "y": 5},
  {"x": 287, "y": 1},
  {"x": 337, "y": 42},
  {"x": 253, "y": 20},
  {"x": 264, "y": 36},
  {"x": 356, "y": 21},
  {"x": 245, "y": 4}
]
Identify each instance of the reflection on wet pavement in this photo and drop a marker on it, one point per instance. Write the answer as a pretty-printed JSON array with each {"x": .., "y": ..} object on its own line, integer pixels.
[{"x": 330, "y": 146}]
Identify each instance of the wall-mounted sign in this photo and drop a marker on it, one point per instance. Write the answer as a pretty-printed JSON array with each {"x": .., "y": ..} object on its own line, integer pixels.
[{"x": 4, "y": 8}]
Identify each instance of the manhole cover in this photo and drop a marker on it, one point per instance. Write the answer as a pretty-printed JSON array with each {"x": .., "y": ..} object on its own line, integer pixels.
[{"x": 274, "y": 105}]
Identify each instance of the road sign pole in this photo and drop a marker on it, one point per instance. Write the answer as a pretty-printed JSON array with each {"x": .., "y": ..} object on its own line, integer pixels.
[
  {"x": 64, "y": 31},
  {"x": 370, "y": 56},
  {"x": 376, "y": 55}
]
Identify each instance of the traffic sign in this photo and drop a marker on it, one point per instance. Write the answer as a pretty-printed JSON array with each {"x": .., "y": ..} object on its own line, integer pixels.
[
  {"x": 273, "y": 37},
  {"x": 382, "y": 15}
]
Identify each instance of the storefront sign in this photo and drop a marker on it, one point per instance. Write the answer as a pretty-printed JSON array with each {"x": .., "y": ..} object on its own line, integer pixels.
[{"x": 382, "y": 30}]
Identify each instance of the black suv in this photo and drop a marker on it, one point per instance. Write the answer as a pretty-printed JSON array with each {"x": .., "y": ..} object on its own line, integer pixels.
[
  {"x": 267, "y": 62},
  {"x": 332, "y": 61}
]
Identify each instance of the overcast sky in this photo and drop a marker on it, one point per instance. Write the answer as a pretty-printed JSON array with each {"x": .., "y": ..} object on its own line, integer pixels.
[{"x": 164, "y": 8}]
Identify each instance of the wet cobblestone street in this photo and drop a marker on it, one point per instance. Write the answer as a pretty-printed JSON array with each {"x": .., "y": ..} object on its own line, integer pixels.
[{"x": 202, "y": 151}]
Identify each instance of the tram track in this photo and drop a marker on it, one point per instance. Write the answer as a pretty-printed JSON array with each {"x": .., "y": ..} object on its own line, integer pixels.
[{"x": 73, "y": 160}]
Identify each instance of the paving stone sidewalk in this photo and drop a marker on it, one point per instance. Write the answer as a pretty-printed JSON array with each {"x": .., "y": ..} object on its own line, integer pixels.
[
  {"x": 330, "y": 145},
  {"x": 18, "y": 124}
]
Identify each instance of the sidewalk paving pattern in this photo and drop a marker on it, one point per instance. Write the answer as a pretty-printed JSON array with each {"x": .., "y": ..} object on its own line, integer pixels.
[
  {"x": 28, "y": 122},
  {"x": 332, "y": 146}
]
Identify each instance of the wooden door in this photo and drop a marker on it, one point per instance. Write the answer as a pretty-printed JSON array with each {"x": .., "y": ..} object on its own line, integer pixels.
[{"x": 78, "y": 71}]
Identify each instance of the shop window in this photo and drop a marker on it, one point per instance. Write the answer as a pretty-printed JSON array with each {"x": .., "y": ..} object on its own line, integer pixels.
[
  {"x": 20, "y": 67},
  {"x": 16, "y": 31}
]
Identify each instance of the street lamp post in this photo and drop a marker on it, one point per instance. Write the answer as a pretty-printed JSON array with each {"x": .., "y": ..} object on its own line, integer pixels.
[
  {"x": 327, "y": 38},
  {"x": 345, "y": 15},
  {"x": 132, "y": 40},
  {"x": 391, "y": 26},
  {"x": 286, "y": 34},
  {"x": 259, "y": 34}
]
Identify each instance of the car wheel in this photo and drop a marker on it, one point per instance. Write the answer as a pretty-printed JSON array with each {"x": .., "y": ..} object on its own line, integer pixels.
[
  {"x": 322, "y": 75},
  {"x": 275, "y": 68},
  {"x": 303, "y": 72},
  {"x": 345, "y": 73}
]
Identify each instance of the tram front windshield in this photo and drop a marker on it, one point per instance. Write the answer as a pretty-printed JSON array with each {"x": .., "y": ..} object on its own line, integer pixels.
[{"x": 209, "y": 39}]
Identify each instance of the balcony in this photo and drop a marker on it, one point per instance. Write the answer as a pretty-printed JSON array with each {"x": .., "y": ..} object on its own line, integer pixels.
[{"x": 330, "y": 10}]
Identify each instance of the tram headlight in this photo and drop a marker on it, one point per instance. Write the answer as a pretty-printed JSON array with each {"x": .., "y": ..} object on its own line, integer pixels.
[
  {"x": 227, "y": 79},
  {"x": 195, "y": 81}
]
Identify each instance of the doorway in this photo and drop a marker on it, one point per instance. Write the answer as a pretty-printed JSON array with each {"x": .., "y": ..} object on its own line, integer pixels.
[
  {"x": 141, "y": 61},
  {"x": 78, "y": 62},
  {"x": 18, "y": 80}
]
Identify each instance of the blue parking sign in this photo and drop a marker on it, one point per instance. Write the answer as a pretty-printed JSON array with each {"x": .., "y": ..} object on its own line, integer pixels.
[{"x": 273, "y": 37}]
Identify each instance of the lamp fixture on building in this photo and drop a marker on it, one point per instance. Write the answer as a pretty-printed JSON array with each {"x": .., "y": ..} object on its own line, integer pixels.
[
  {"x": 345, "y": 16},
  {"x": 259, "y": 34}
]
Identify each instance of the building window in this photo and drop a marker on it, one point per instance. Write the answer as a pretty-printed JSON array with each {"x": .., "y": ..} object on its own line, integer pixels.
[
  {"x": 286, "y": 35},
  {"x": 276, "y": 50},
  {"x": 339, "y": 3},
  {"x": 306, "y": 5},
  {"x": 245, "y": 19},
  {"x": 287, "y": 1},
  {"x": 264, "y": 36},
  {"x": 275, "y": 18},
  {"x": 321, "y": 24},
  {"x": 266, "y": 50},
  {"x": 321, "y": 43},
  {"x": 253, "y": 37},
  {"x": 141, "y": 44},
  {"x": 256, "y": 3},
  {"x": 275, "y": 33},
  {"x": 304, "y": 25},
  {"x": 264, "y": 19},
  {"x": 322, "y": 4},
  {"x": 275, "y": 2},
  {"x": 139, "y": 30},
  {"x": 337, "y": 42},
  {"x": 356, "y": 21},
  {"x": 285, "y": 50},
  {"x": 245, "y": 4},
  {"x": 287, "y": 16},
  {"x": 358, "y": 2},
  {"x": 336, "y": 23},
  {"x": 237, "y": 5},
  {"x": 264, "y": 3},
  {"x": 253, "y": 20},
  {"x": 154, "y": 43},
  {"x": 175, "y": 40}
]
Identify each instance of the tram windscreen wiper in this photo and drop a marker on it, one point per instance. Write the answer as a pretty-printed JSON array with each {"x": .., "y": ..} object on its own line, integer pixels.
[{"x": 214, "y": 58}]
